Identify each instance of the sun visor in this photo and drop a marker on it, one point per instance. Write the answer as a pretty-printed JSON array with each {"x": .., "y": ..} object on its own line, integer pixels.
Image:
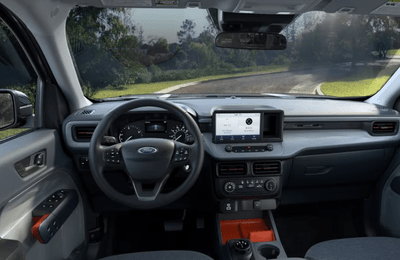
[
  {"x": 275, "y": 6},
  {"x": 353, "y": 6},
  {"x": 389, "y": 8},
  {"x": 224, "y": 5}
]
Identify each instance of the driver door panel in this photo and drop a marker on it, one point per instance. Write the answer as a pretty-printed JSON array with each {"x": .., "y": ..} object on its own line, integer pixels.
[{"x": 19, "y": 196}]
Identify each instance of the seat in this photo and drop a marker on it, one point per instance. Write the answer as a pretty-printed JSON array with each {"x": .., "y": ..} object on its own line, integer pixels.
[
  {"x": 363, "y": 248},
  {"x": 161, "y": 255}
]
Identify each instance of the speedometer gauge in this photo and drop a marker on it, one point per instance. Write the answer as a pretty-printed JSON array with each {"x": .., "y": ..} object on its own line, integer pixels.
[
  {"x": 179, "y": 133},
  {"x": 130, "y": 132}
]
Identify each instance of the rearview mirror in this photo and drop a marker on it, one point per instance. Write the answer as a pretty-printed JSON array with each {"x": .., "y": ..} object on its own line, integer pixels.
[
  {"x": 249, "y": 40},
  {"x": 15, "y": 107}
]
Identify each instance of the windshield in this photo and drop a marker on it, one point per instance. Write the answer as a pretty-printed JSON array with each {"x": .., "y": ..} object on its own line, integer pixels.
[{"x": 120, "y": 52}]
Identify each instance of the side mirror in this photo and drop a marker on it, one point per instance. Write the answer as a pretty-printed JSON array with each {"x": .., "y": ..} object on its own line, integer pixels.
[
  {"x": 250, "y": 40},
  {"x": 15, "y": 107}
]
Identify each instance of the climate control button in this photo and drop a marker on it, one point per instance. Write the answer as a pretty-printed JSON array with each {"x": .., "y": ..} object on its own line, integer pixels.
[
  {"x": 271, "y": 185},
  {"x": 229, "y": 187}
]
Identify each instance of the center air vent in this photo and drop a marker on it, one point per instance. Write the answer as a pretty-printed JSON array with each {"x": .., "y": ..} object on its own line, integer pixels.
[
  {"x": 83, "y": 133},
  {"x": 232, "y": 168},
  {"x": 384, "y": 128},
  {"x": 260, "y": 168}
]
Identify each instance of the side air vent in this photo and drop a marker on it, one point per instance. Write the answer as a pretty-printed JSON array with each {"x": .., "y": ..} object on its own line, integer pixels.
[
  {"x": 83, "y": 133},
  {"x": 260, "y": 168},
  {"x": 87, "y": 112},
  {"x": 232, "y": 169},
  {"x": 384, "y": 128}
]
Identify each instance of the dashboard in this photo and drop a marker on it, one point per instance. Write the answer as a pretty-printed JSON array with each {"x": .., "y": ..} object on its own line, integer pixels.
[{"x": 274, "y": 151}]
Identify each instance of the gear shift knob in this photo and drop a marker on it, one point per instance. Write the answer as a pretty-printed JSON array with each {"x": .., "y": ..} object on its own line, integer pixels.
[{"x": 242, "y": 247}]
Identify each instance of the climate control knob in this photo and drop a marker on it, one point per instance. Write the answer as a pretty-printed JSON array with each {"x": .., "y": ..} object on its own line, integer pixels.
[
  {"x": 229, "y": 187},
  {"x": 271, "y": 185}
]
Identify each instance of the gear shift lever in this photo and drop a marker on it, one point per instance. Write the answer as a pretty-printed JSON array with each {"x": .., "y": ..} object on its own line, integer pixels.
[{"x": 240, "y": 249}]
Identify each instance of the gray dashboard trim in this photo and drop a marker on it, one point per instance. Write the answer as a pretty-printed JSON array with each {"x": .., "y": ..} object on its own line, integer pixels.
[
  {"x": 339, "y": 118},
  {"x": 296, "y": 142},
  {"x": 295, "y": 110}
]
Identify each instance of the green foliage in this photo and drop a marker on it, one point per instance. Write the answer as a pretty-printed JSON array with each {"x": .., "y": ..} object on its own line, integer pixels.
[
  {"x": 10, "y": 132},
  {"x": 143, "y": 75},
  {"x": 340, "y": 38},
  {"x": 29, "y": 90},
  {"x": 281, "y": 60},
  {"x": 393, "y": 52},
  {"x": 88, "y": 91},
  {"x": 185, "y": 35}
]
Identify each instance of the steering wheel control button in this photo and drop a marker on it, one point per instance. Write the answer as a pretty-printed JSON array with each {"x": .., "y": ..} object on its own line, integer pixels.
[
  {"x": 229, "y": 206},
  {"x": 271, "y": 185},
  {"x": 113, "y": 156},
  {"x": 181, "y": 154},
  {"x": 229, "y": 187}
]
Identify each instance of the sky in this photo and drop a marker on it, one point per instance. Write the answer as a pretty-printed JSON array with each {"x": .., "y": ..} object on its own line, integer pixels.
[{"x": 167, "y": 22}]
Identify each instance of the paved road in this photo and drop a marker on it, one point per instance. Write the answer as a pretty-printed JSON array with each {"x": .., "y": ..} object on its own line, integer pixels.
[
  {"x": 304, "y": 81},
  {"x": 301, "y": 81}
]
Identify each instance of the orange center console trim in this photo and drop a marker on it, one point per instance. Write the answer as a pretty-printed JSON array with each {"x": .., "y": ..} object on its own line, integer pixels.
[{"x": 254, "y": 229}]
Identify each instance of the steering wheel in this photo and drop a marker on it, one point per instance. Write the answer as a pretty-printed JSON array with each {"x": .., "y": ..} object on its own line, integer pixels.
[{"x": 148, "y": 162}]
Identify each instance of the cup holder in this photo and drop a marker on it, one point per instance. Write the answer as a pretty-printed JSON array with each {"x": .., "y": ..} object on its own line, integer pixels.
[{"x": 269, "y": 251}]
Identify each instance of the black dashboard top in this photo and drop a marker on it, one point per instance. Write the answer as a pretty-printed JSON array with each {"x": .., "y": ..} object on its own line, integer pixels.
[{"x": 295, "y": 107}]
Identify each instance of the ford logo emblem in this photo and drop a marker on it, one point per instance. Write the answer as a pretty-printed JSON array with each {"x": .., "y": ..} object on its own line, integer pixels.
[{"x": 147, "y": 150}]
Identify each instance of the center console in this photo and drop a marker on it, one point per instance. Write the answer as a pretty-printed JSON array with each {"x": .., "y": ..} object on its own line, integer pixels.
[
  {"x": 248, "y": 184},
  {"x": 249, "y": 236}
]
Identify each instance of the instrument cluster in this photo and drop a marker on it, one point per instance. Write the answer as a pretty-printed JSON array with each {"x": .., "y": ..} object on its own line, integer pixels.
[{"x": 130, "y": 128}]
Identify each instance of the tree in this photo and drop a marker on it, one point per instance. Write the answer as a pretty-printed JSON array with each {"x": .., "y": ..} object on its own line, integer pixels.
[
  {"x": 186, "y": 34},
  {"x": 109, "y": 35}
]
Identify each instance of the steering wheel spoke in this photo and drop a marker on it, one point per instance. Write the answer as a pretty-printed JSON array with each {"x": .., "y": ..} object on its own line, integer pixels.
[
  {"x": 111, "y": 156},
  {"x": 146, "y": 191}
]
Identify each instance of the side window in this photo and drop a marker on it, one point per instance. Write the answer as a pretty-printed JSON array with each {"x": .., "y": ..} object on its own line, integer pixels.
[{"x": 16, "y": 72}]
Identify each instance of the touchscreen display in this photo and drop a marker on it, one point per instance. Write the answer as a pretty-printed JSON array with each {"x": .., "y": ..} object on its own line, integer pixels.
[{"x": 237, "y": 126}]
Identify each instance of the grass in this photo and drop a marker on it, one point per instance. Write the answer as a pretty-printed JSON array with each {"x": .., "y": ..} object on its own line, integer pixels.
[
  {"x": 354, "y": 86},
  {"x": 10, "y": 132},
  {"x": 393, "y": 52},
  {"x": 144, "y": 88},
  {"x": 358, "y": 85}
]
